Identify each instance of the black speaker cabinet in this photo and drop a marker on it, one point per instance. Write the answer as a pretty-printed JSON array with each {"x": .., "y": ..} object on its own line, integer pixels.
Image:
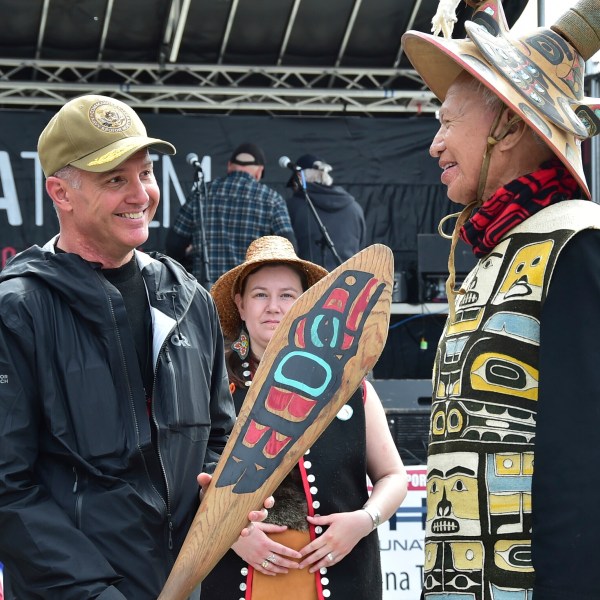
[
  {"x": 432, "y": 265},
  {"x": 407, "y": 404}
]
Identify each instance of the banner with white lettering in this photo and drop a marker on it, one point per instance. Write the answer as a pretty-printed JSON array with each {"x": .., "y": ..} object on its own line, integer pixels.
[
  {"x": 402, "y": 544},
  {"x": 383, "y": 162}
]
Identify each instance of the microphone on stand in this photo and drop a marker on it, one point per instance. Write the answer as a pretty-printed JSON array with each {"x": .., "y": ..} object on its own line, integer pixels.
[
  {"x": 299, "y": 178},
  {"x": 193, "y": 160},
  {"x": 199, "y": 193},
  {"x": 286, "y": 163}
]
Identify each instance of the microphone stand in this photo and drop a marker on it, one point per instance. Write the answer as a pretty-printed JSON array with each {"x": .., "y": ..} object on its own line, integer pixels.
[
  {"x": 200, "y": 184},
  {"x": 325, "y": 239}
]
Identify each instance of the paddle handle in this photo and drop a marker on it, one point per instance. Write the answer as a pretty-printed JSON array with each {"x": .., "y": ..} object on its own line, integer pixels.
[{"x": 217, "y": 525}]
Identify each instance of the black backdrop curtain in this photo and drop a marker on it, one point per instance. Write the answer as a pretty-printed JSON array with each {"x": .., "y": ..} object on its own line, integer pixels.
[{"x": 383, "y": 162}]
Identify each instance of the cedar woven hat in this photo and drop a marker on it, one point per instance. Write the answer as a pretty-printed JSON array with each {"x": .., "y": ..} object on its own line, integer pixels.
[
  {"x": 94, "y": 133},
  {"x": 538, "y": 75},
  {"x": 262, "y": 251}
]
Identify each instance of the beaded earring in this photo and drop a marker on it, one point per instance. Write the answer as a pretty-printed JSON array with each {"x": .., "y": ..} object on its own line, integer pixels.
[{"x": 241, "y": 346}]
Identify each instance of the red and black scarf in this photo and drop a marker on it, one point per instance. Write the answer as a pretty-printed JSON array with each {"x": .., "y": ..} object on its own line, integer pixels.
[{"x": 517, "y": 201}]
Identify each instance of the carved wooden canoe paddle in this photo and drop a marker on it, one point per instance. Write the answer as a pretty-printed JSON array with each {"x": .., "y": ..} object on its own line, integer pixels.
[{"x": 319, "y": 354}]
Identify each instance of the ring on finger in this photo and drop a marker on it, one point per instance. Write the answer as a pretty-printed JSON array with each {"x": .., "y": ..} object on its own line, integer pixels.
[
  {"x": 265, "y": 563},
  {"x": 272, "y": 558},
  {"x": 329, "y": 557}
]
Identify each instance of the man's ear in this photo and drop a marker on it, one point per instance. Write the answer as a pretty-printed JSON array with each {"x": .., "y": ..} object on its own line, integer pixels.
[
  {"x": 514, "y": 128},
  {"x": 59, "y": 193}
]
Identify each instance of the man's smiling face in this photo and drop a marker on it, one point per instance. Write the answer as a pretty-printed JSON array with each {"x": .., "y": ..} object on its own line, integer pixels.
[
  {"x": 460, "y": 143},
  {"x": 110, "y": 212}
]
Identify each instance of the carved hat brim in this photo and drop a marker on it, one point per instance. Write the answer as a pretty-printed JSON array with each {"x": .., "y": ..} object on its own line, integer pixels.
[{"x": 538, "y": 75}]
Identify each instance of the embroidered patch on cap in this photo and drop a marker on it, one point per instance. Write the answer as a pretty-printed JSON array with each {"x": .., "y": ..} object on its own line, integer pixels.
[{"x": 109, "y": 117}]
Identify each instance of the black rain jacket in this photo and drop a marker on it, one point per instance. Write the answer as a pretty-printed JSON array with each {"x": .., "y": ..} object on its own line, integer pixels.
[{"x": 89, "y": 508}]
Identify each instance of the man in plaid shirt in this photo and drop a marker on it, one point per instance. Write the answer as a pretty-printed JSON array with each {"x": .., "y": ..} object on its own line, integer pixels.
[{"x": 237, "y": 210}]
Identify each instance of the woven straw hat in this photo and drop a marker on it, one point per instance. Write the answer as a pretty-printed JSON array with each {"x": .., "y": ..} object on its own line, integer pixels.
[
  {"x": 262, "y": 251},
  {"x": 538, "y": 75}
]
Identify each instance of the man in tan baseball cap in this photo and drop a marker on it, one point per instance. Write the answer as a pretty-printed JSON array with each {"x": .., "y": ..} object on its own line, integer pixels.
[
  {"x": 115, "y": 403},
  {"x": 88, "y": 138},
  {"x": 94, "y": 133}
]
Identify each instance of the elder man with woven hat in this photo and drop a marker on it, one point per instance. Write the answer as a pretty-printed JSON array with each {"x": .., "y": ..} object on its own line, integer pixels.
[
  {"x": 114, "y": 390},
  {"x": 513, "y": 448}
]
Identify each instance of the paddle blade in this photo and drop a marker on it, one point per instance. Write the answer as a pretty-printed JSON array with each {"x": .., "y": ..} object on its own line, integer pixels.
[{"x": 318, "y": 356}]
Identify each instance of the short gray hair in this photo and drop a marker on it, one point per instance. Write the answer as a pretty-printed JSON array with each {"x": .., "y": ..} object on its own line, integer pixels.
[
  {"x": 490, "y": 100},
  {"x": 71, "y": 175},
  {"x": 319, "y": 173}
]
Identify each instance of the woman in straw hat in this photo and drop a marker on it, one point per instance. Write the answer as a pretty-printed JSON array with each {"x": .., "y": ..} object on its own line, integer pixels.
[
  {"x": 516, "y": 374},
  {"x": 296, "y": 554}
]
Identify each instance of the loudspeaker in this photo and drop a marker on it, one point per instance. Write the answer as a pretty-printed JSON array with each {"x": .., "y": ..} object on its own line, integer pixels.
[
  {"x": 432, "y": 265},
  {"x": 407, "y": 404},
  {"x": 400, "y": 289}
]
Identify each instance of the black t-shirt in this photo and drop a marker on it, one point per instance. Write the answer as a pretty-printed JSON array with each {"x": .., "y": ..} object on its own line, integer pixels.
[{"x": 130, "y": 283}]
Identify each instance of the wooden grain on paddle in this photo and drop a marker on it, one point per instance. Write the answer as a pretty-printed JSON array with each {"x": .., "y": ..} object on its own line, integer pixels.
[{"x": 323, "y": 348}]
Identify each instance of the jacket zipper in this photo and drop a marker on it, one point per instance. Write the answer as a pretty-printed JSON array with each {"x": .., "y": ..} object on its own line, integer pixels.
[
  {"x": 167, "y": 502},
  {"x": 155, "y": 420},
  {"x": 78, "y": 499},
  {"x": 165, "y": 349}
]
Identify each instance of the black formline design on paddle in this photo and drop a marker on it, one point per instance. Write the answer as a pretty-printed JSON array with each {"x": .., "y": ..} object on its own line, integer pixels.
[{"x": 303, "y": 378}]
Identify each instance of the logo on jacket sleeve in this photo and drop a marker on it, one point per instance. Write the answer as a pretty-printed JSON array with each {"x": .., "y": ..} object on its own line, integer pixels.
[{"x": 178, "y": 339}]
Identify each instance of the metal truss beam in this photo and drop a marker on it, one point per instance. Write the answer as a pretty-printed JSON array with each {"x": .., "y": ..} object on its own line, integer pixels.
[{"x": 217, "y": 88}]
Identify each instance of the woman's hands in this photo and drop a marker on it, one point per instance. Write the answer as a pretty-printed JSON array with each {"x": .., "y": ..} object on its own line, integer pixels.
[
  {"x": 344, "y": 532},
  {"x": 267, "y": 556}
]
